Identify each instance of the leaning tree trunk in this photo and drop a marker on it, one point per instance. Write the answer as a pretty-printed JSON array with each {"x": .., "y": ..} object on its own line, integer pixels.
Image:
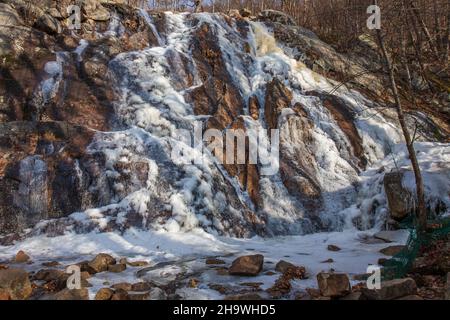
[{"x": 421, "y": 210}]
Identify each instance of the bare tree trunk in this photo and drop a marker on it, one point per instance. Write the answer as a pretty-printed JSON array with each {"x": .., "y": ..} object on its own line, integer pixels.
[
  {"x": 421, "y": 212},
  {"x": 446, "y": 44}
]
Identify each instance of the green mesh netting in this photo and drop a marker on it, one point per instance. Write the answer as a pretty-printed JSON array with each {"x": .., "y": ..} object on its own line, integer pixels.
[{"x": 399, "y": 265}]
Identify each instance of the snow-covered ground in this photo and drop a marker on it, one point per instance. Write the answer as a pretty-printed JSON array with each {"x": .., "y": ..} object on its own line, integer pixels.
[{"x": 186, "y": 252}]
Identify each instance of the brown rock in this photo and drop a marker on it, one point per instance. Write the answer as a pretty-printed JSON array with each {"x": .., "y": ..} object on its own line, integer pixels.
[
  {"x": 120, "y": 294},
  {"x": 104, "y": 294},
  {"x": 139, "y": 296},
  {"x": 116, "y": 268},
  {"x": 332, "y": 247},
  {"x": 245, "y": 13},
  {"x": 313, "y": 293},
  {"x": 141, "y": 286},
  {"x": 15, "y": 283},
  {"x": 247, "y": 265},
  {"x": 400, "y": 200},
  {"x": 48, "y": 274},
  {"x": 328, "y": 261},
  {"x": 392, "y": 250},
  {"x": 101, "y": 262},
  {"x": 222, "y": 271},
  {"x": 138, "y": 263},
  {"x": 71, "y": 294},
  {"x": 122, "y": 286},
  {"x": 282, "y": 266},
  {"x": 85, "y": 267},
  {"x": 354, "y": 296},
  {"x": 392, "y": 289},
  {"x": 214, "y": 261},
  {"x": 246, "y": 296},
  {"x": 193, "y": 283},
  {"x": 333, "y": 284},
  {"x": 21, "y": 257}
]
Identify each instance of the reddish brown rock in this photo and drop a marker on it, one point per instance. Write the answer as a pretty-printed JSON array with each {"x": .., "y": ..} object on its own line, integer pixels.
[
  {"x": 21, "y": 257},
  {"x": 15, "y": 283},
  {"x": 116, "y": 268},
  {"x": 333, "y": 284},
  {"x": 247, "y": 265},
  {"x": 101, "y": 262},
  {"x": 104, "y": 294}
]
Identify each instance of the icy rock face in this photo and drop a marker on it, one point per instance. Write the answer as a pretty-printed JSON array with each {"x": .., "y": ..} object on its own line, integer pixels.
[{"x": 110, "y": 167}]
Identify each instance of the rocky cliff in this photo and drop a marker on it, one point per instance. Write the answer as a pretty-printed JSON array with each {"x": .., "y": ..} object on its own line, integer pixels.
[{"x": 89, "y": 118}]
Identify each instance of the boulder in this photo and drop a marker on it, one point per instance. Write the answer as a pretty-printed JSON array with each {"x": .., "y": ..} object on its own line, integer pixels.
[
  {"x": 15, "y": 283},
  {"x": 120, "y": 294},
  {"x": 104, "y": 294},
  {"x": 392, "y": 289},
  {"x": 282, "y": 266},
  {"x": 21, "y": 257},
  {"x": 101, "y": 262},
  {"x": 400, "y": 200},
  {"x": 71, "y": 294},
  {"x": 116, "y": 268},
  {"x": 392, "y": 250},
  {"x": 48, "y": 275},
  {"x": 247, "y": 265},
  {"x": 333, "y": 284},
  {"x": 141, "y": 286},
  {"x": 122, "y": 286}
]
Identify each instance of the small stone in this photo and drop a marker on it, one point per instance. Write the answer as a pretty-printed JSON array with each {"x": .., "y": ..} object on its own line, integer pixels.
[
  {"x": 332, "y": 247},
  {"x": 21, "y": 257},
  {"x": 214, "y": 261},
  {"x": 138, "y": 263},
  {"x": 193, "y": 283},
  {"x": 48, "y": 275},
  {"x": 104, "y": 294},
  {"x": 328, "y": 261},
  {"x": 101, "y": 262},
  {"x": 282, "y": 266},
  {"x": 392, "y": 250},
  {"x": 270, "y": 273},
  {"x": 392, "y": 289},
  {"x": 243, "y": 297},
  {"x": 333, "y": 284},
  {"x": 141, "y": 286},
  {"x": 71, "y": 294},
  {"x": 122, "y": 286},
  {"x": 120, "y": 294},
  {"x": 15, "y": 283},
  {"x": 139, "y": 296},
  {"x": 117, "y": 268},
  {"x": 247, "y": 265}
]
